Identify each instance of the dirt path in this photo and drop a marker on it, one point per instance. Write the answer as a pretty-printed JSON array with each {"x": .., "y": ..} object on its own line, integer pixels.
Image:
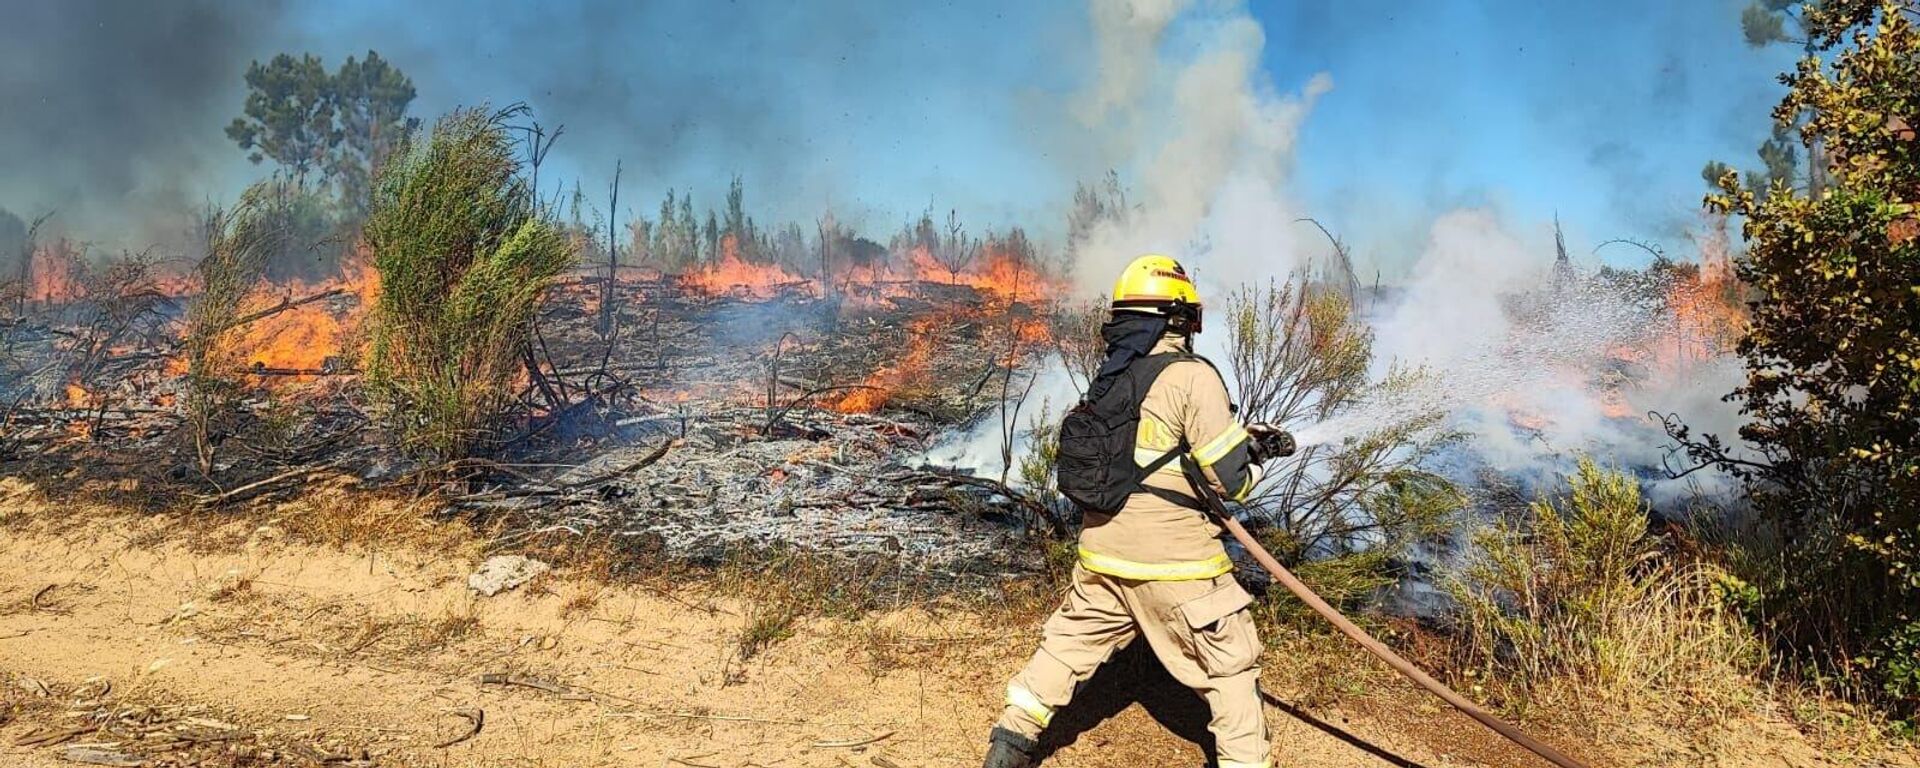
[{"x": 319, "y": 651}]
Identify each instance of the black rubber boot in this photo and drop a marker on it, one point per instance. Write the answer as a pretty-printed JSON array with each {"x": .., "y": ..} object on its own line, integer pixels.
[{"x": 1006, "y": 749}]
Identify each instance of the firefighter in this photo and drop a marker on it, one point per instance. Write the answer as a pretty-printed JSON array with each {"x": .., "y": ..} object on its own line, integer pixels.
[{"x": 1156, "y": 570}]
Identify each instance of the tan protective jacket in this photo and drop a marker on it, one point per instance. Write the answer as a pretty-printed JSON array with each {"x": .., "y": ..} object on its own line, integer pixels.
[{"x": 1154, "y": 539}]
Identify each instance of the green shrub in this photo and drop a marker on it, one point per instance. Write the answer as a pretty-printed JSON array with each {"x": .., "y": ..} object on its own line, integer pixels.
[
  {"x": 464, "y": 251},
  {"x": 1832, "y": 395},
  {"x": 239, "y": 242},
  {"x": 1578, "y": 608}
]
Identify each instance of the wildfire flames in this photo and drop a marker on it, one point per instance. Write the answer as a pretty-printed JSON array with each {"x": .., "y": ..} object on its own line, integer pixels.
[
  {"x": 996, "y": 273},
  {"x": 307, "y": 337},
  {"x": 883, "y": 385}
]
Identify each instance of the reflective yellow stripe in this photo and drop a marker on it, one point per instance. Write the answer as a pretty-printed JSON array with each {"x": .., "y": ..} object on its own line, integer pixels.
[
  {"x": 1238, "y": 764},
  {"x": 1022, "y": 699},
  {"x": 1255, "y": 474},
  {"x": 1179, "y": 571},
  {"x": 1145, "y": 456},
  {"x": 1246, "y": 488},
  {"x": 1218, "y": 448}
]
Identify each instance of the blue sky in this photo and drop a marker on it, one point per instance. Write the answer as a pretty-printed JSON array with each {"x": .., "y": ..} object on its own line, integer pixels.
[{"x": 1601, "y": 112}]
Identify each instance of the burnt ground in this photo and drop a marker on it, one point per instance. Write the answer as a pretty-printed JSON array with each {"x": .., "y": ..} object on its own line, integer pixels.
[{"x": 707, "y": 425}]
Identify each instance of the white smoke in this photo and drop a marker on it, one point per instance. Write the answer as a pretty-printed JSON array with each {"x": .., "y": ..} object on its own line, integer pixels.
[
  {"x": 1207, "y": 136},
  {"x": 1209, "y": 142}
]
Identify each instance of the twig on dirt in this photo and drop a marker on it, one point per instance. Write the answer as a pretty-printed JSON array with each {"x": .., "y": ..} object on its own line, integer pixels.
[
  {"x": 476, "y": 718},
  {"x": 262, "y": 487},
  {"x": 34, "y": 602},
  {"x": 504, "y": 678},
  {"x": 843, "y": 744},
  {"x": 100, "y": 756},
  {"x": 50, "y": 738},
  {"x": 640, "y": 463},
  {"x": 883, "y": 762},
  {"x": 728, "y": 718}
]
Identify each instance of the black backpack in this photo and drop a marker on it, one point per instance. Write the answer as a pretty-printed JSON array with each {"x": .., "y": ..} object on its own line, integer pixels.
[{"x": 1095, "y": 466}]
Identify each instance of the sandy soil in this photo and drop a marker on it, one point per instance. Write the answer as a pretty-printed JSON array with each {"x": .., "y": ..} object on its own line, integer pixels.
[{"x": 374, "y": 653}]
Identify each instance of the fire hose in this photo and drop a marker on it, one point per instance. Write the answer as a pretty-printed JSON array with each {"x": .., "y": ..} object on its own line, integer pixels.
[{"x": 1218, "y": 510}]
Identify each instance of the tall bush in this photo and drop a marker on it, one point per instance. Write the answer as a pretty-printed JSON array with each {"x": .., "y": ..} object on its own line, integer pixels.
[
  {"x": 1832, "y": 393},
  {"x": 464, "y": 252},
  {"x": 1344, "y": 509},
  {"x": 239, "y": 242}
]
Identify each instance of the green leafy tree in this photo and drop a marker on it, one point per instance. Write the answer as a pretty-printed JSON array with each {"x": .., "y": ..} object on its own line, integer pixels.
[
  {"x": 289, "y": 114},
  {"x": 370, "y": 106},
  {"x": 689, "y": 231},
  {"x": 737, "y": 224},
  {"x": 343, "y": 124},
  {"x": 1764, "y": 23},
  {"x": 1833, "y": 354}
]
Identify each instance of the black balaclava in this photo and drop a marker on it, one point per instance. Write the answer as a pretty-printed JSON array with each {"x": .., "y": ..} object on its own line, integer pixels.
[{"x": 1129, "y": 336}]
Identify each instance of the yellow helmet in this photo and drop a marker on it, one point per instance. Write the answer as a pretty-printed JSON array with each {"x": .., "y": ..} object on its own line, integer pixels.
[{"x": 1157, "y": 284}]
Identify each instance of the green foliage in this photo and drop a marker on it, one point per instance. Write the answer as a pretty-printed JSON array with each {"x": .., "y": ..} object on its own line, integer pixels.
[
  {"x": 1343, "y": 513},
  {"x": 464, "y": 252},
  {"x": 289, "y": 113},
  {"x": 1833, "y": 355},
  {"x": 239, "y": 243},
  {"x": 1762, "y": 24},
  {"x": 344, "y": 123},
  {"x": 370, "y": 103},
  {"x": 1576, "y": 605},
  {"x": 1300, "y": 357}
]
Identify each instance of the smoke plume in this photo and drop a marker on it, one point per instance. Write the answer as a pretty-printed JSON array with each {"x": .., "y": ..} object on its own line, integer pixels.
[
  {"x": 1205, "y": 133},
  {"x": 1210, "y": 143},
  {"x": 114, "y": 110}
]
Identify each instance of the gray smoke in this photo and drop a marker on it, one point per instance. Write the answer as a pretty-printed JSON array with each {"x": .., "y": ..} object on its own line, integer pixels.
[
  {"x": 114, "y": 110},
  {"x": 806, "y": 101}
]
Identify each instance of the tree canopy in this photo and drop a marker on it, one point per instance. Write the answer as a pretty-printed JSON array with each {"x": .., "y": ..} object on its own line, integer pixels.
[
  {"x": 343, "y": 123},
  {"x": 1833, "y": 355}
]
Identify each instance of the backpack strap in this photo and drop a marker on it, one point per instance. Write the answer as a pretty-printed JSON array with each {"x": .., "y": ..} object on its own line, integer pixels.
[{"x": 1160, "y": 363}]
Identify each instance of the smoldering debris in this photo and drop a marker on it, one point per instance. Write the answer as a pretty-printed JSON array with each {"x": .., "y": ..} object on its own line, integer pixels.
[{"x": 697, "y": 419}]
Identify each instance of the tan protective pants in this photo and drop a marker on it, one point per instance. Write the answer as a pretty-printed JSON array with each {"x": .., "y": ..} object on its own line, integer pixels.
[{"x": 1199, "y": 629}]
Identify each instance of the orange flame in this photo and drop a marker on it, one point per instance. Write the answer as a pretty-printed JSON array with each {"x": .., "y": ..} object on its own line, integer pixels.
[
  {"x": 999, "y": 274},
  {"x": 734, "y": 276},
  {"x": 56, "y": 273},
  {"x": 887, "y": 383},
  {"x": 306, "y": 337},
  {"x": 78, "y": 397}
]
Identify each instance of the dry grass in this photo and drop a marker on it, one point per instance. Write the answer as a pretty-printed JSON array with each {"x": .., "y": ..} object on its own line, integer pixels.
[
  {"x": 456, "y": 620},
  {"x": 235, "y": 586},
  {"x": 344, "y": 518},
  {"x": 781, "y": 587},
  {"x": 1578, "y": 613}
]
